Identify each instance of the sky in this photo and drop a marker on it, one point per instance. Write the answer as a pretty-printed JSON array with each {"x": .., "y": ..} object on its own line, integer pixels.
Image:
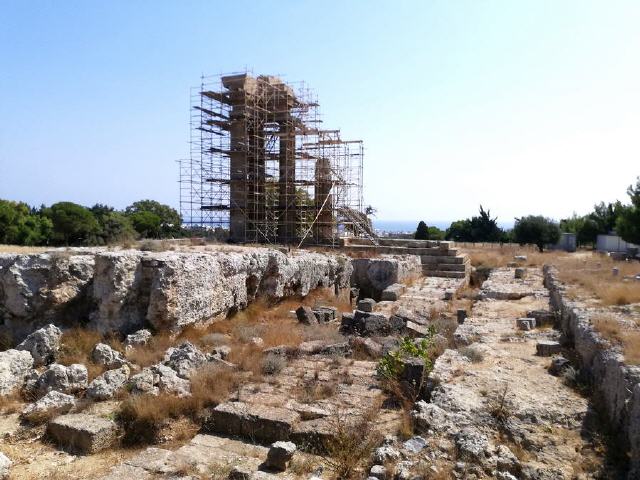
[{"x": 527, "y": 107}]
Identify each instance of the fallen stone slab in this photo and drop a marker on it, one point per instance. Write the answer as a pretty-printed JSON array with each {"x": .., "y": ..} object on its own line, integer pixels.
[
  {"x": 346, "y": 324},
  {"x": 279, "y": 455},
  {"x": 258, "y": 423},
  {"x": 393, "y": 292},
  {"x": 547, "y": 348},
  {"x": 137, "y": 339},
  {"x": 83, "y": 433},
  {"x": 526, "y": 324}
]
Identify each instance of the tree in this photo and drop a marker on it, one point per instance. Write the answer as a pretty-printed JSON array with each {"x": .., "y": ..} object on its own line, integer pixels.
[
  {"x": 73, "y": 224},
  {"x": 628, "y": 222},
  {"x": 116, "y": 227},
  {"x": 585, "y": 228},
  {"x": 460, "y": 231},
  {"x": 169, "y": 218},
  {"x": 22, "y": 225},
  {"x": 482, "y": 228},
  {"x": 435, "y": 233},
  {"x": 536, "y": 229},
  {"x": 606, "y": 215},
  {"x": 422, "y": 232},
  {"x": 147, "y": 224}
]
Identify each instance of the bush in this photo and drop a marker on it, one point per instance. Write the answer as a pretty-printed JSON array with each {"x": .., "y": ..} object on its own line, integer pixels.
[
  {"x": 73, "y": 224},
  {"x": 392, "y": 364},
  {"x": 482, "y": 228},
  {"x": 537, "y": 230},
  {"x": 273, "y": 364}
]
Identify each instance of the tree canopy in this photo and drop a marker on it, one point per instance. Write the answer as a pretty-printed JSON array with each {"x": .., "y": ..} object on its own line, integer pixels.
[
  {"x": 628, "y": 221},
  {"x": 422, "y": 232},
  {"x": 536, "y": 229},
  {"x": 481, "y": 228}
]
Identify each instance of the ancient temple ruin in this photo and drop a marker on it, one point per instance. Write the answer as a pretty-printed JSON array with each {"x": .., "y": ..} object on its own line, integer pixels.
[{"x": 262, "y": 167}]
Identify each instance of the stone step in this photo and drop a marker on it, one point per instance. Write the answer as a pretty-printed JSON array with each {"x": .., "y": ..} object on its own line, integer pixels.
[
  {"x": 448, "y": 267},
  {"x": 424, "y": 259},
  {"x": 254, "y": 422},
  {"x": 444, "y": 274}
]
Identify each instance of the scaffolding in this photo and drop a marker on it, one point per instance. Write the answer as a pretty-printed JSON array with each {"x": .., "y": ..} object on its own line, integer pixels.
[{"x": 261, "y": 166}]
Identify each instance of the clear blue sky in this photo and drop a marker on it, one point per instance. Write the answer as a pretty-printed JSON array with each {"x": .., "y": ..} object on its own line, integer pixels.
[{"x": 523, "y": 106}]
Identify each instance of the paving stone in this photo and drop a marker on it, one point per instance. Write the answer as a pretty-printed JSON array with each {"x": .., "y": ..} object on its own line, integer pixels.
[
  {"x": 256, "y": 422},
  {"x": 83, "y": 433}
]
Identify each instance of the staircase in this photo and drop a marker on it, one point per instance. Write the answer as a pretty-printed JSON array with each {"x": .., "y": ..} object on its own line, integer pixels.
[{"x": 438, "y": 258}]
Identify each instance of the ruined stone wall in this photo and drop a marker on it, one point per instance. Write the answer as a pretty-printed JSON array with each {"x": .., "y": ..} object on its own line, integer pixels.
[
  {"x": 373, "y": 275},
  {"x": 616, "y": 385},
  {"x": 126, "y": 290}
]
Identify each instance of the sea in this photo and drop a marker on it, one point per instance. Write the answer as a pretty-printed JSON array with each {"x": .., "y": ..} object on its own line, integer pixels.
[
  {"x": 405, "y": 226},
  {"x": 409, "y": 226}
]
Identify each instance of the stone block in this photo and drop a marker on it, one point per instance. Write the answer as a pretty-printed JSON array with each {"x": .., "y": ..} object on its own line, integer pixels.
[
  {"x": 346, "y": 324},
  {"x": 415, "y": 330},
  {"x": 393, "y": 292},
  {"x": 314, "y": 435},
  {"x": 448, "y": 294},
  {"x": 366, "y": 305},
  {"x": 279, "y": 455},
  {"x": 83, "y": 433},
  {"x": 520, "y": 272},
  {"x": 526, "y": 323},
  {"x": 543, "y": 317},
  {"x": 461, "y": 314},
  {"x": 258, "y": 423},
  {"x": 306, "y": 315},
  {"x": 547, "y": 348}
]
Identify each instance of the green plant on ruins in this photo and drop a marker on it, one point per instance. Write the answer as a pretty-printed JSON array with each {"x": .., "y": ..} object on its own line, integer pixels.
[{"x": 391, "y": 365}]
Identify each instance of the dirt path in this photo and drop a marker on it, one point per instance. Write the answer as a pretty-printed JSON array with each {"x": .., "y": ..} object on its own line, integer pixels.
[{"x": 496, "y": 411}]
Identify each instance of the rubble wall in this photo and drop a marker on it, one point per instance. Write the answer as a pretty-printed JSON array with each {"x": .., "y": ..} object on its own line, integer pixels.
[
  {"x": 616, "y": 385},
  {"x": 125, "y": 290}
]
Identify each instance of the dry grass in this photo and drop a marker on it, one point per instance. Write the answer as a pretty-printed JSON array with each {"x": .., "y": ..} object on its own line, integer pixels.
[
  {"x": 353, "y": 442},
  {"x": 313, "y": 389},
  {"x": 21, "y": 249},
  {"x": 592, "y": 274},
  {"x": 76, "y": 346},
  {"x": 152, "y": 352},
  {"x": 499, "y": 256},
  {"x": 618, "y": 333},
  {"x": 144, "y": 416},
  {"x": 11, "y": 403}
]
